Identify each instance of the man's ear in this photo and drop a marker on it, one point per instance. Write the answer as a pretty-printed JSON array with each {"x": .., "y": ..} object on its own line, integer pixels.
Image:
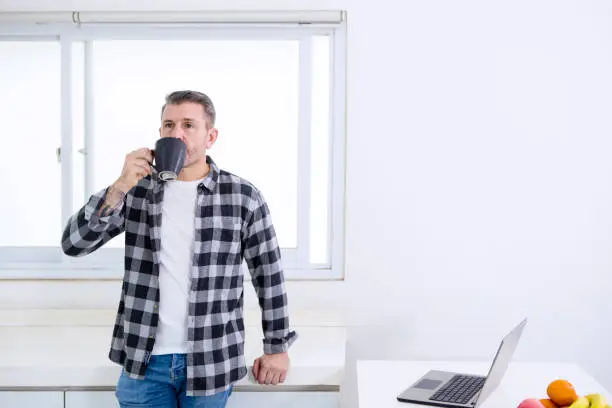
[
  {"x": 160, "y": 132},
  {"x": 212, "y": 137}
]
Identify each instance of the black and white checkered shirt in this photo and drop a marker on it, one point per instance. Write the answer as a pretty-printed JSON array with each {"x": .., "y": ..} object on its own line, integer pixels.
[{"x": 232, "y": 223}]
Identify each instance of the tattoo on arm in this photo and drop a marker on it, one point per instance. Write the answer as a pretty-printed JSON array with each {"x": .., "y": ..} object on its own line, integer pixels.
[{"x": 114, "y": 197}]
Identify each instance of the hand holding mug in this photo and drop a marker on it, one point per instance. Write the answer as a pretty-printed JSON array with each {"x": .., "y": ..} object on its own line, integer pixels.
[{"x": 136, "y": 165}]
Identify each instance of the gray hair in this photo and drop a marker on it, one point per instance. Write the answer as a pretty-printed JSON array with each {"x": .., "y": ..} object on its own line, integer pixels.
[{"x": 178, "y": 97}]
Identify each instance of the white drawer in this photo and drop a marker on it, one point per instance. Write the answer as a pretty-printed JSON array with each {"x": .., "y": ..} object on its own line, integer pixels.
[
  {"x": 31, "y": 399},
  {"x": 306, "y": 399},
  {"x": 106, "y": 399},
  {"x": 91, "y": 399}
]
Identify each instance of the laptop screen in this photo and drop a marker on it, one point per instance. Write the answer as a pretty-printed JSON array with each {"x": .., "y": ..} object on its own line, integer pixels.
[{"x": 501, "y": 361}]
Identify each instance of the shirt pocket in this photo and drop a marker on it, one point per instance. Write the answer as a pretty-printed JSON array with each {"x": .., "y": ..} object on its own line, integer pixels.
[{"x": 227, "y": 240}]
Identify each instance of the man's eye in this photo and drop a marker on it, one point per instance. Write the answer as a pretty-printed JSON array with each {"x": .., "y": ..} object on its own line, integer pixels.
[
  {"x": 168, "y": 125},
  {"x": 188, "y": 125}
]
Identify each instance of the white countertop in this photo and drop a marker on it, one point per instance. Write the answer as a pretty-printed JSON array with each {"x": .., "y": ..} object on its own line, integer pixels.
[
  {"x": 55, "y": 350},
  {"x": 380, "y": 382}
]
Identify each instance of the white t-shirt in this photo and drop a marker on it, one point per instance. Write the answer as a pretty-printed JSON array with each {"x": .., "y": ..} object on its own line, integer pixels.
[{"x": 177, "y": 237}]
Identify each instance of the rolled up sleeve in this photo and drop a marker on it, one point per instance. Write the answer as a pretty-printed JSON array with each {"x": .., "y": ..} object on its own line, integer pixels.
[{"x": 263, "y": 256}]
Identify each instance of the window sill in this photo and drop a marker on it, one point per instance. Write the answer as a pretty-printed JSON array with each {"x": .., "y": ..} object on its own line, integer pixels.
[
  {"x": 80, "y": 272},
  {"x": 56, "y": 318}
]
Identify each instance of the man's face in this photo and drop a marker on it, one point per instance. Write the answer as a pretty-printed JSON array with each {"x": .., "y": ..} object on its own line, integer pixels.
[{"x": 188, "y": 122}]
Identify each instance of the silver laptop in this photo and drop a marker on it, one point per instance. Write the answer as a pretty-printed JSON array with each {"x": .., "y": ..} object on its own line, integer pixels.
[{"x": 448, "y": 389}]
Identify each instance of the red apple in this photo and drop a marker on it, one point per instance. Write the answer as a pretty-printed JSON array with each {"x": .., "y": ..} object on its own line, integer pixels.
[{"x": 531, "y": 403}]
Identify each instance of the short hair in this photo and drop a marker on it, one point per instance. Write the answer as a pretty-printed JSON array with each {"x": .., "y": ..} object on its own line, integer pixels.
[{"x": 178, "y": 97}]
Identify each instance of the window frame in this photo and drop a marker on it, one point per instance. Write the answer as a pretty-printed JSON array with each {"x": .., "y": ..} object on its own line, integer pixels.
[{"x": 51, "y": 263}]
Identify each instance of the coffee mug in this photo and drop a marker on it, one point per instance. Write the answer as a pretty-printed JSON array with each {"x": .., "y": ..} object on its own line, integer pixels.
[{"x": 169, "y": 157}]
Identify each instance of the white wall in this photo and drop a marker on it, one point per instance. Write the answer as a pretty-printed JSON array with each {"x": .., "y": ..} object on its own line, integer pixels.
[{"x": 479, "y": 185}]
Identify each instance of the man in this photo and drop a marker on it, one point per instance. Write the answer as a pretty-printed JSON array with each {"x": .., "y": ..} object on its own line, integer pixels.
[{"x": 179, "y": 331}]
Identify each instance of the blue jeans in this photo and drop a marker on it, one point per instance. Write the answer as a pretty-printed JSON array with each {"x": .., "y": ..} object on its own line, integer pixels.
[{"x": 164, "y": 386}]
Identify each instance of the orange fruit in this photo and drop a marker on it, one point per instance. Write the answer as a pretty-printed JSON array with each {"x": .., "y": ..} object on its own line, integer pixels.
[
  {"x": 561, "y": 392},
  {"x": 548, "y": 403}
]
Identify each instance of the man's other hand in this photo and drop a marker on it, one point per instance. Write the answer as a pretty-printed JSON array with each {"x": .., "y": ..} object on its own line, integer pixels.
[{"x": 271, "y": 368}]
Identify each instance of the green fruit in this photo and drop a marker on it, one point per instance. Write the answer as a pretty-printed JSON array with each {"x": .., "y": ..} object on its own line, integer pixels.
[
  {"x": 597, "y": 401},
  {"x": 581, "y": 402}
]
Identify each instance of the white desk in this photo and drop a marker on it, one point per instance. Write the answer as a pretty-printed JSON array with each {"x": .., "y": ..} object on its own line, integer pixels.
[
  {"x": 59, "y": 359},
  {"x": 380, "y": 382}
]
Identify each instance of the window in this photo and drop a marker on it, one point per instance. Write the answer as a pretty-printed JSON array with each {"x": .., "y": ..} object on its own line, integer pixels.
[{"x": 79, "y": 97}]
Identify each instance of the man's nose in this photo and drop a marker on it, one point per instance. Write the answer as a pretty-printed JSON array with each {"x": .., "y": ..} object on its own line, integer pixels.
[{"x": 177, "y": 133}]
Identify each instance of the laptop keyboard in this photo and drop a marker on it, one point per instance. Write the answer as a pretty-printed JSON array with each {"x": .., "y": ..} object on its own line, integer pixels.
[{"x": 459, "y": 389}]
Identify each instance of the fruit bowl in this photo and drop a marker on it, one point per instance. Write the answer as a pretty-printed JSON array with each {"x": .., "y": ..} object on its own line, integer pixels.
[{"x": 562, "y": 394}]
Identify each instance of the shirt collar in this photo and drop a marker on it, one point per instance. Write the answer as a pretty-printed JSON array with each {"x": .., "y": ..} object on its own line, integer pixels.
[{"x": 210, "y": 181}]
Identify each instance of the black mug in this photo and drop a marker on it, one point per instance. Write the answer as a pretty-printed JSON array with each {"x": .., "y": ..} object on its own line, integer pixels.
[{"x": 169, "y": 157}]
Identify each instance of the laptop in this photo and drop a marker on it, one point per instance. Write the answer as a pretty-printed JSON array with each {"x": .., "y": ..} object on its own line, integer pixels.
[{"x": 448, "y": 389}]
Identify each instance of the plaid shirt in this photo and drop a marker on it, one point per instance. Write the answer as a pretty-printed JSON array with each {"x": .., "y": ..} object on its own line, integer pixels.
[{"x": 232, "y": 223}]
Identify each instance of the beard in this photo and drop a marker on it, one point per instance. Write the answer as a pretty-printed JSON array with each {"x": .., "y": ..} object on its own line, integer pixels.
[{"x": 194, "y": 157}]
